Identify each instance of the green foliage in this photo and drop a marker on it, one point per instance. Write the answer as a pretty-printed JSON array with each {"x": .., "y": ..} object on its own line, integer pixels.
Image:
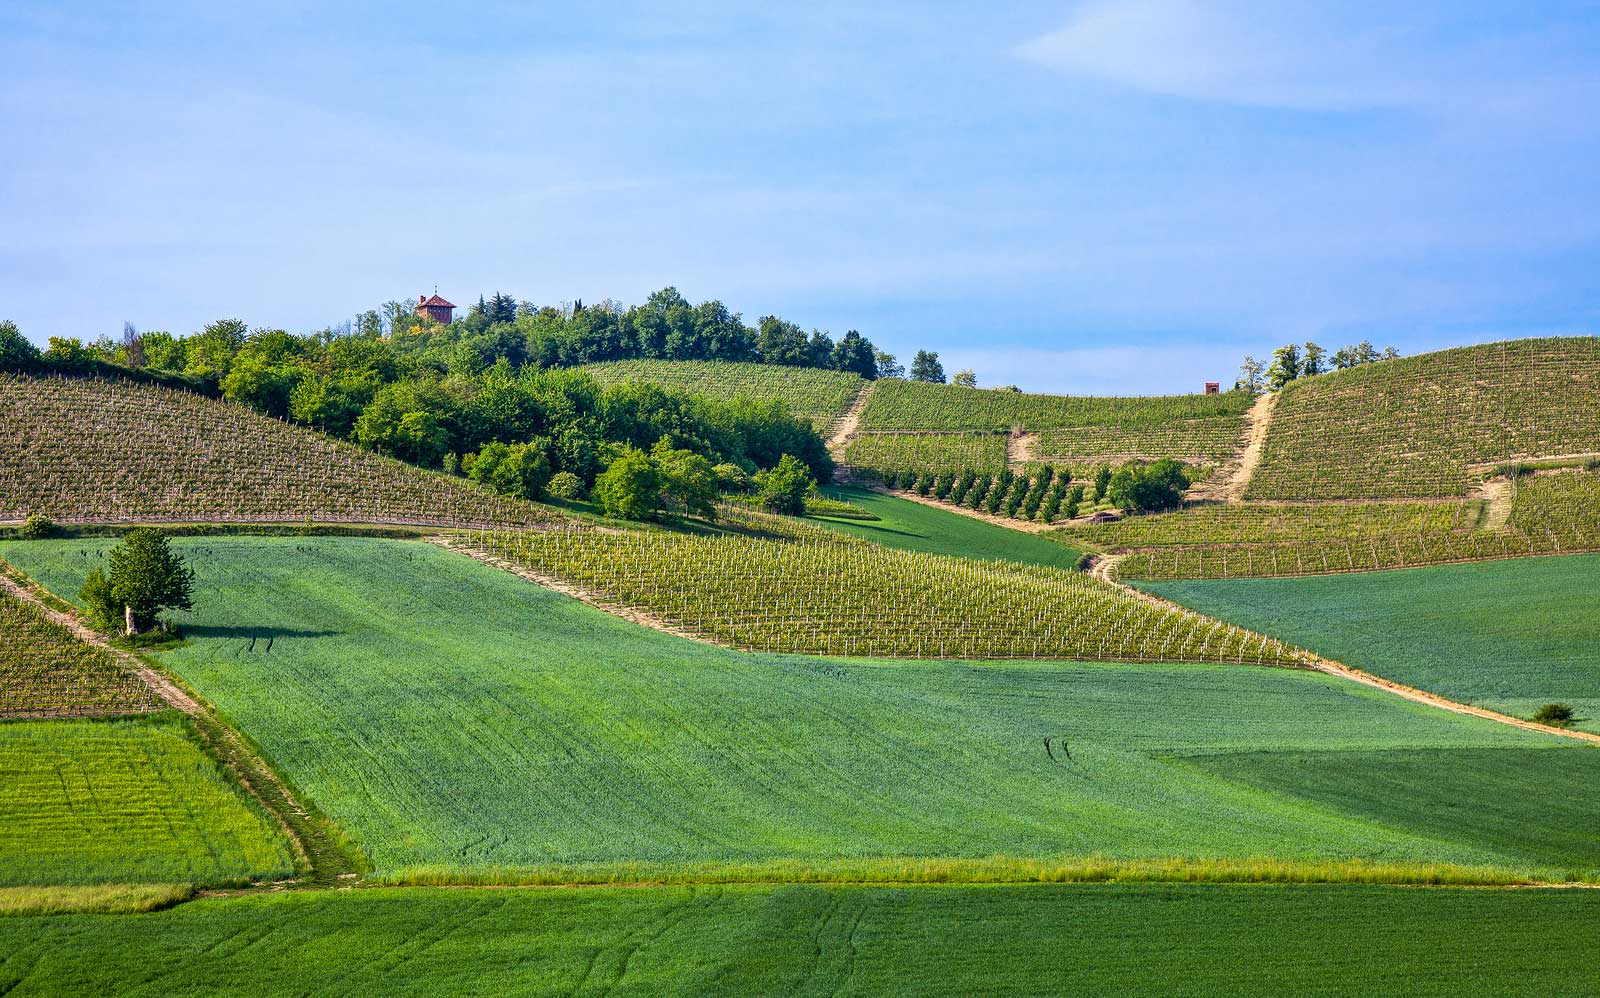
[
  {"x": 47, "y": 672},
  {"x": 884, "y": 453},
  {"x": 926, "y": 367},
  {"x": 125, "y": 801},
  {"x": 731, "y": 478},
  {"x": 1148, "y": 488},
  {"x": 1102, "y": 482},
  {"x": 783, "y": 489},
  {"x": 688, "y": 481},
  {"x": 1557, "y": 715},
  {"x": 36, "y": 526},
  {"x": 630, "y": 487},
  {"x": 146, "y": 577},
  {"x": 1026, "y": 939},
  {"x": 565, "y": 485},
  {"x": 518, "y": 470},
  {"x": 903, "y": 406},
  {"x": 16, "y": 353}
]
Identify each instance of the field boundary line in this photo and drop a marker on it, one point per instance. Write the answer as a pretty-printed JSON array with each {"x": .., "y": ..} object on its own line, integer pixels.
[
  {"x": 318, "y": 853},
  {"x": 1329, "y": 667}
]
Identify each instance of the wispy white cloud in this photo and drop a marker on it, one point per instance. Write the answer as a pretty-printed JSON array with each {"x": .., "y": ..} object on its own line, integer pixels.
[{"x": 1316, "y": 56}]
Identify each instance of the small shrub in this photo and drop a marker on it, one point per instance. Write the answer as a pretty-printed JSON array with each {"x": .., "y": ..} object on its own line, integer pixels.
[
  {"x": 942, "y": 484},
  {"x": 784, "y": 487},
  {"x": 565, "y": 485},
  {"x": 1556, "y": 715},
  {"x": 36, "y": 526}
]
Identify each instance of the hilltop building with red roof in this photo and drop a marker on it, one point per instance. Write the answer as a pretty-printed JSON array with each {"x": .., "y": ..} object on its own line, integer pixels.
[{"x": 435, "y": 309}]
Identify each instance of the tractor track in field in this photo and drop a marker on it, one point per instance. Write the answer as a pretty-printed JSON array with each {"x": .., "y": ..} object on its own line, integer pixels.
[
  {"x": 312, "y": 839},
  {"x": 845, "y": 428}
]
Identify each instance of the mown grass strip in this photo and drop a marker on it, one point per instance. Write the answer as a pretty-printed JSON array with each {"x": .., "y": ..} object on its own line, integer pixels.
[{"x": 102, "y": 899}]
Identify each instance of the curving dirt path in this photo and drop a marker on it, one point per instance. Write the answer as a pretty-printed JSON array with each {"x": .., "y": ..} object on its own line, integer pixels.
[{"x": 1020, "y": 446}]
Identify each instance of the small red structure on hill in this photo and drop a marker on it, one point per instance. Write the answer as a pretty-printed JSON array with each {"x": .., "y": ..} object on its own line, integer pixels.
[
  {"x": 1213, "y": 388},
  {"x": 435, "y": 309}
]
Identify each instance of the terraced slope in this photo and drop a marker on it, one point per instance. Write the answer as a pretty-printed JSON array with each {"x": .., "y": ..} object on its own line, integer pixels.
[
  {"x": 47, "y": 672},
  {"x": 911, "y": 425},
  {"x": 81, "y": 450},
  {"x": 811, "y": 393},
  {"x": 1411, "y": 427}
]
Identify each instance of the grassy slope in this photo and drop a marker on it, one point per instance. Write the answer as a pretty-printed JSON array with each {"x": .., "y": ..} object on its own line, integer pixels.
[
  {"x": 46, "y": 671},
  {"x": 1509, "y": 635},
  {"x": 452, "y": 716},
  {"x": 119, "y": 451},
  {"x": 911, "y": 526},
  {"x": 126, "y": 801},
  {"x": 1036, "y": 940},
  {"x": 814, "y": 394}
]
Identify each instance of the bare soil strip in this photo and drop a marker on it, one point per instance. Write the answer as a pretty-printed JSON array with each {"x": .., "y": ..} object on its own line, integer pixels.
[
  {"x": 1020, "y": 446},
  {"x": 1257, "y": 422},
  {"x": 1500, "y": 493},
  {"x": 844, "y": 429},
  {"x": 313, "y": 839}
]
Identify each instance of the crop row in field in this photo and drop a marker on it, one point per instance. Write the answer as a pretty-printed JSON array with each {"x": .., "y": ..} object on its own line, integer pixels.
[
  {"x": 45, "y": 671},
  {"x": 83, "y": 450},
  {"x": 125, "y": 801},
  {"x": 811, "y": 393},
  {"x": 1411, "y": 427},
  {"x": 1555, "y": 513},
  {"x": 833, "y": 595},
  {"x": 1269, "y": 523},
  {"x": 1033, "y": 940},
  {"x": 916, "y": 405},
  {"x": 883, "y": 453}
]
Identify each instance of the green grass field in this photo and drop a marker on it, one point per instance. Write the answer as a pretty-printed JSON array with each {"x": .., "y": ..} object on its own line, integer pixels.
[
  {"x": 124, "y": 801},
  {"x": 911, "y": 526},
  {"x": 455, "y": 718},
  {"x": 814, "y": 940},
  {"x": 1508, "y": 635}
]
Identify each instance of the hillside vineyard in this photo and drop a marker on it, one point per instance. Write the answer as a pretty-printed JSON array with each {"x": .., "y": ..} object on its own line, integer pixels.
[
  {"x": 1412, "y": 427},
  {"x": 810, "y": 393},
  {"x": 833, "y": 595},
  {"x": 107, "y": 450}
]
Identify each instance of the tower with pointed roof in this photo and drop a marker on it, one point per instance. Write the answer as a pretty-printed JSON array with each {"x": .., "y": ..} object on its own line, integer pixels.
[{"x": 435, "y": 309}]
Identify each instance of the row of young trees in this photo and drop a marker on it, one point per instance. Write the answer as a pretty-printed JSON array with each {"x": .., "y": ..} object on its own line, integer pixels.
[
  {"x": 1048, "y": 493},
  {"x": 1292, "y": 361}
]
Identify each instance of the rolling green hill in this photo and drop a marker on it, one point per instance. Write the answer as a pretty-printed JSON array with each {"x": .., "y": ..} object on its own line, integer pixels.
[
  {"x": 1507, "y": 635},
  {"x": 105, "y": 450},
  {"x": 459, "y": 722},
  {"x": 1411, "y": 427},
  {"x": 814, "y": 394}
]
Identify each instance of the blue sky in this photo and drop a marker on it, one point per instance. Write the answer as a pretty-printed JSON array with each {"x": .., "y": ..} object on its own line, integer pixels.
[{"x": 1111, "y": 196}]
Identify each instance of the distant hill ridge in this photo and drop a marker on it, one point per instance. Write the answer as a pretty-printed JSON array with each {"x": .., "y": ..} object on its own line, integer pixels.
[{"x": 111, "y": 450}]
